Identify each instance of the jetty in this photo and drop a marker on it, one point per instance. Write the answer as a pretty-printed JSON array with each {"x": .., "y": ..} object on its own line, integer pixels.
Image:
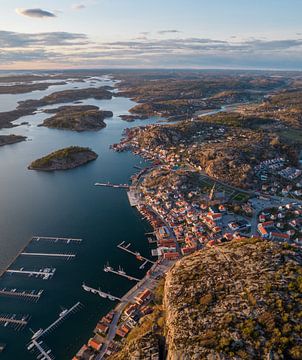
[
  {"x": 31, "y": 295},
  {"x": 40, "y": 350},
  {"x": 62, "y": 316},
  {"x": 58, "y": 255},
  {"x": 108, "y": 184},
  {"x": 45, "y": 273},
  {"x": 138, "y": 256},
  {"x": 119, "y": 272},
  {"x": 18, "y": 322},
  {"x": 56, "y": 239},
  {"x": 102, "y": 294}
]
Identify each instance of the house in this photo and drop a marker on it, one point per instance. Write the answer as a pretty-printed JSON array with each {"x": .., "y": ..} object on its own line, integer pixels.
[
  {"x": 101, "y": 328},
  {"x": 143, "y": 296},
  {"x": 96, "y": 342},
  {"x": 279, "y": 236}
]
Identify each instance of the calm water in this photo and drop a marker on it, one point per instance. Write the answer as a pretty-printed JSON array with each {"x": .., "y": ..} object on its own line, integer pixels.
[{"x": 66, "y": 204}]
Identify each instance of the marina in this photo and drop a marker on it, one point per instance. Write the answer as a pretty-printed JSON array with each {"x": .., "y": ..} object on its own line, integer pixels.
[
  {"x": 119, "y": 186},
  {"x": 56, "y": 239},
  {"x": 62, "y": 213},
  {"x": 17, "y": 322},
  {"x": 45, "y": 273},
  {"x": 119, "y": 272},
  {"x": 31, "y": 295},
  {"x": 138, "y": 256},
  {"x": 62, "y": 256},
  {"x": 101, "y": 293}
]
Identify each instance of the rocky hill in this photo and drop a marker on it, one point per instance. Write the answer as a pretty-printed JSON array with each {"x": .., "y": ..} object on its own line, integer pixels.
[{"x": 240, "y": 300}]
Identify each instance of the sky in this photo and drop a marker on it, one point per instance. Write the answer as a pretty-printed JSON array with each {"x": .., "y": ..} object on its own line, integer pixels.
[{"x": 243, "y": 34}]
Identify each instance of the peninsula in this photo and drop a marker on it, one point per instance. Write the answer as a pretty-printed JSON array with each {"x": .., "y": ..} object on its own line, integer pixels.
[
  {"x": 77, "y": 118},
  {"x": 64, "y": 159}
]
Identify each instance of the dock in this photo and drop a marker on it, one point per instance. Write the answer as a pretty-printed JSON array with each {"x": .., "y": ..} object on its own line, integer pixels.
[
  {"x": 18, "y": 322},
  {"x": 45, "y": 274},
  {"x": 138, "y": 256},
  {"x": 102, "y": 294},
  {"x": 117, "y": 186},
  {"x": 56, "y": 239},
  {"x": 62, "y": 316},
  {"x": 40, "y": 350},
  {"x": 120, "y": 272},
  {"x": 58, "y": 255},
  {"x": 30, "y": 295}
]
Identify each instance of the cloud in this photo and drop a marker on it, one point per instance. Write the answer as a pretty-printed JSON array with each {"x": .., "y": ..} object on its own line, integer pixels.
[
  {"x": 167, "y": 32},
  {"x": 9, "y": 39},
  {"x": 78, "y": 50},
  {"x": 78, "y": 6},
  {"x": 35, "y": 13}
]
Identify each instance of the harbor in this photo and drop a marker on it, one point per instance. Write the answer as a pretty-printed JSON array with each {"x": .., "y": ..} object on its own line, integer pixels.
[{"x": 53, "y": 215}]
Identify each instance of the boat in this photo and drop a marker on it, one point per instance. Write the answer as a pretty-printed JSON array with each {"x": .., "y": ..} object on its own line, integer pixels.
[
  {"x": 37, "y": 334},
  {"x": 64, "y": 312}
]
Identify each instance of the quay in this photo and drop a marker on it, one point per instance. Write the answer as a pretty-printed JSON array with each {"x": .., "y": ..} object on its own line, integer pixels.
[
  {"x": 133, "y": 197},
  {"x": 15, "y": 321},
  {"x": 45, "y": 273},
  {"x": 64, "y": 256},
  {"x": 119, "y": 272},
  {"x": 136, "y": 254},
  {"x": 56, "y": 239},
  {"x": 100, "y": 293},
  {"x": 120, "y": 186},
  {"x": 32, "y": 295}
]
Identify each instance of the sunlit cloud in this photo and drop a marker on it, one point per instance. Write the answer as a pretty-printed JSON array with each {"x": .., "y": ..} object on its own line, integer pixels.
[{"x": 35, "y": 13}]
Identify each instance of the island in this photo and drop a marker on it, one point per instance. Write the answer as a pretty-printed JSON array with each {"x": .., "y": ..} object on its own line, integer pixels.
[
  {"x": 64, "y": 159},
  {"x": 131, "y": 118},
  {"x": 77, "y": 118},
  {"x": 11, "y": 139}
]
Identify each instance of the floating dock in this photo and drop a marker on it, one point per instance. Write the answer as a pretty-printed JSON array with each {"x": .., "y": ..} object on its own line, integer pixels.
[
  {"x": 120, "y": 272},
  {"x": 139, "y": 257},
  {"x": 61, "y": 256},
  {"x": 45, "y": 274},
  {"x": 118, "y": 186},
  {"x": 100, "y": 293},
  {"x": 62, "y": 316},
  {"x": 56, "y": 239},
  {"x": 31, "y": 295},
  {"x": 40, "y": 350},
  {"x": 18, "y": 322}
]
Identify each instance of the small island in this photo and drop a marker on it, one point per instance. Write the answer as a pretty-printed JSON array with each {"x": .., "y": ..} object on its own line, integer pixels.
[
  {"x": 131, "y": 118},
  {"x": 11, "y": 139},
  {"x": 64, "y": 159},
  {"x": 78, "y": 118}
]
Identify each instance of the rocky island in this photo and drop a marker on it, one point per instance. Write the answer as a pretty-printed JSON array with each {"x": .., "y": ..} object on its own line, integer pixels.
[
  {"x": 64, "y": 159},
  {"x": 77, "y": 118},
  {"x": 11, "y": 139}
]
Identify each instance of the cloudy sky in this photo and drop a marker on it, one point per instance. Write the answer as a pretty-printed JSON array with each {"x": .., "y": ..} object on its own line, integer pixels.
[{"x": 262, "y": 34}]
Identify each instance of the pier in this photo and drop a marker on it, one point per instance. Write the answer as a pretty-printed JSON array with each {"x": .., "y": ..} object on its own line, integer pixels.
[
  {"x": 40, "y": 350},
  {"x": 118, "y": 186},
  {"x": 119, "y": 272},
  {"x": 100, "y": 293},
  {"x": 31, "y": 295},
  {"x": 18, "y": 322},
  {"x": 45, "y": 273},
  {"x": 62, "y": 256},
  {"x": 62, "y": 316},
  {"x": 56, "y": 239},
  {"x": 139, "y": 257}
]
